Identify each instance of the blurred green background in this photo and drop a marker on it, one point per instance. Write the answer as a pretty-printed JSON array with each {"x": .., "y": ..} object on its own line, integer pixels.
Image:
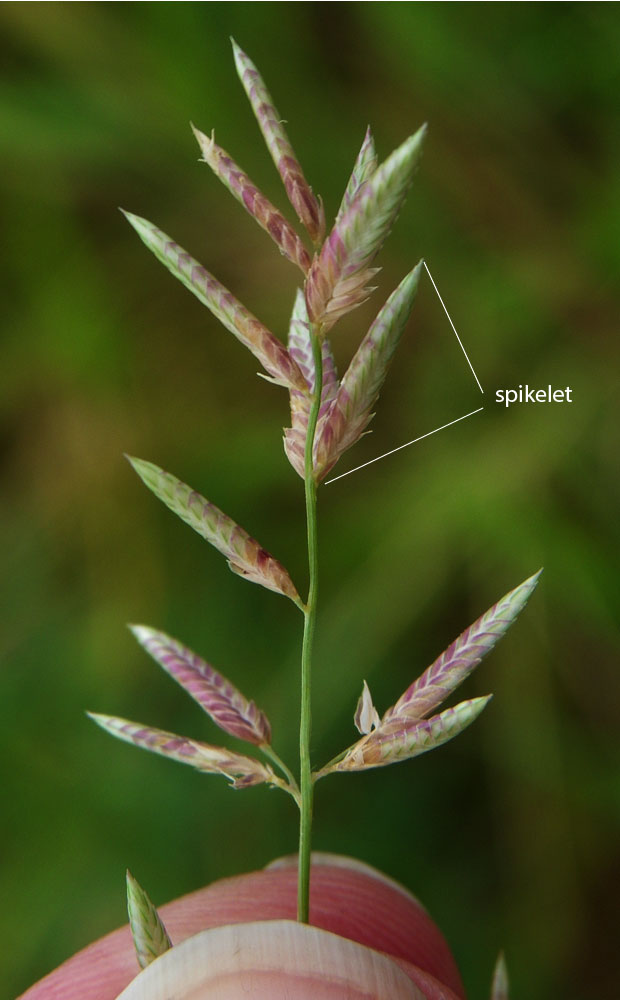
[{"x": 509, "y": 835}]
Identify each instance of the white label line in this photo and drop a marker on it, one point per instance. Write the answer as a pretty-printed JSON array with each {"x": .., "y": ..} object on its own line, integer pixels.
[
  {"x": 400, "y": 447},
  {"x": 454, "y": 328}
]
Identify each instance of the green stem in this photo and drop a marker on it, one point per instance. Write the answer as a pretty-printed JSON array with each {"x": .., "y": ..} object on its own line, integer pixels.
[{"x": 305, "y": 727}]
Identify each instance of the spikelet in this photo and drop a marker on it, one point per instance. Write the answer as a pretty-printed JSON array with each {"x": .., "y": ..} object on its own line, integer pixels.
[
  {"x": 301, "y": 351},
  {"x": 254, "y": 201},
  {"x": 308, "y": 208},
  {"x": 150, "y": 937},
  {"x": 340, "y": 272},
  {"x": 245, "y": 556},
  {"x": 405, "y": 731},
  {"x": 363, "y": 169},
  {"x": 240, "y": 770},
  {"x": 271, "y": 353},
  {"x": 500, "y": 984},
  {"x": 214, "y": 693},
  {"x": 400, "y": 738},
  {"x": 457, "y": 662},
  {"x": 351, "y": 410}
]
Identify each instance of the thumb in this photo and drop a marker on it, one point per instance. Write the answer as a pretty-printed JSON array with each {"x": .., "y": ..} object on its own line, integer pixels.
[{"x": 348, "y": 899}]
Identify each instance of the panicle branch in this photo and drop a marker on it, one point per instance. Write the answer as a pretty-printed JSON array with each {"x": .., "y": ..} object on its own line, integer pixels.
[{"x": 327, "y": 417}]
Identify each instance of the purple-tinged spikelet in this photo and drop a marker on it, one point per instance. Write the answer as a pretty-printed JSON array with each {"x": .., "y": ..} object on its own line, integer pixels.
[
  {"x": 271, "y": 353},
  {"x": 300, "y": 350},
  {"x": 363, "y": 169},
  {"x": 457, "y": 662},
  {"x": 244, "y": 554},
  {"x": 150, "y": 937},
  {"x": 351, "y": 410},
  {"x": 242, "y": 771},
  {"x": 307, "y": 206},
  {"x": 254, "y": 201},
  {"x": 402, "y": 738},
  {"x": 340, "y": 272},
  {"x": 404, "y": 731},
  {"x": 214, "y": 693}
]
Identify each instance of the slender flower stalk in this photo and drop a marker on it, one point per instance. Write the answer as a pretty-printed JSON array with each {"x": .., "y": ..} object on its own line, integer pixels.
[{"x": 306, "y": 780}]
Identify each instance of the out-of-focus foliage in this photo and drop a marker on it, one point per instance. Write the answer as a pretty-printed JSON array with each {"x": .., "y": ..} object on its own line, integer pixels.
[{"x": 510, "y": 835}]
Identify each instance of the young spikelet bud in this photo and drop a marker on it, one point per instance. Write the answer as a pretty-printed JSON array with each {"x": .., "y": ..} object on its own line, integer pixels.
[
  {"x": 150, "y": 937},
  {"x": 363, "y": 169},
  {"x": 338, "y": 279},
  {"x": 244, "y": 554},
  {"x": 300, "y": 349},
  {"x": 254, "y": 201},
  {"x": 309, "y": 208},
  {"x": 366, "y": 717},
  {"x": 272, "y": 354},
  {"x": 351, "y": 411},
  {"x": 401, "y": 738},
  {"x": 500, "y": 984},
  {"x": 240, "y": 770},
  {"x": 214, "y": 693},
  {"x": 457, "y": 662}
]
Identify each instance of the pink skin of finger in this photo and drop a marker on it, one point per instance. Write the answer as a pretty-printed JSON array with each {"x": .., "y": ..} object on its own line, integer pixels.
[{"x": 348, "y": 899}]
